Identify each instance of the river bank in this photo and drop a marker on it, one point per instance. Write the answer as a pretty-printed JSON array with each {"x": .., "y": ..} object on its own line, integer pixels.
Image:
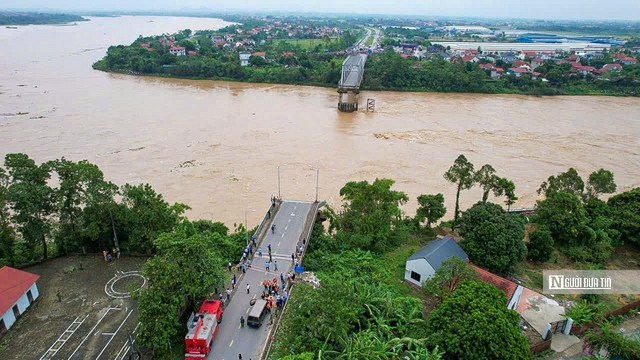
[{"x": 216, "y": 145}]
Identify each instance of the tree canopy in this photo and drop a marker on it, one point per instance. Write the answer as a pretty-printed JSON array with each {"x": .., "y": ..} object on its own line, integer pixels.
[
  {"x": 492, "y": 238},
  {"x": 474, "y": 323},
  {"x": 445, "y": 280},
  {"x": 462, "y": 175},
  {"x": 431, "y": 208},
  {"x": 370, "y": 211}
]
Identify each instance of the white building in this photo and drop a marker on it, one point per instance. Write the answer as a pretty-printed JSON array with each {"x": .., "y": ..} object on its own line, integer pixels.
[
  {"x": 424, "y": 263},
  {"x": 178, "y": 51},
  {"x": 18, "y": 291},
  {"x": 244, "y": 58}
]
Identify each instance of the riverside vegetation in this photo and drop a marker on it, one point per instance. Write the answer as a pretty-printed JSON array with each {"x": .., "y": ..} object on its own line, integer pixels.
[
  {"x": 288, "y": 63},
  {"x": 360, "y": 259}
]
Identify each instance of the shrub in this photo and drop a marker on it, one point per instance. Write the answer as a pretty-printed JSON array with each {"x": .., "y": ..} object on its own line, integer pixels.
[{"x": 584, "y": 312}]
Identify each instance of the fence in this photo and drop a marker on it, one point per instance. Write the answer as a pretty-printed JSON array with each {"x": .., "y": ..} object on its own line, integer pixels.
[
  {"x": 579, "y": 330},
  {"x": 269, "y": 343},
  {"x": 540, "y": 347}
]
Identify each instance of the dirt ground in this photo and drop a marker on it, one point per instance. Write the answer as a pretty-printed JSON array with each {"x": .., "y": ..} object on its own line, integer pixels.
[{"x": 107, "y": 319}]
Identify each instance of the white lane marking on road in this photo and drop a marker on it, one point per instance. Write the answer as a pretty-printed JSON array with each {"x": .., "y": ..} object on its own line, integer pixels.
[
  {"x": 91, "y": 331},
  {"x": 279, "y": 244},
  {"x": 231, "y": 343},
  {"x": 294, "y": 214},
  {"x": 114, "y": 334}
]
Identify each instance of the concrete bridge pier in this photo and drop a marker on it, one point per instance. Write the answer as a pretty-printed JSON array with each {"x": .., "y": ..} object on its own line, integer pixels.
[{"x": 348, "y": 100}]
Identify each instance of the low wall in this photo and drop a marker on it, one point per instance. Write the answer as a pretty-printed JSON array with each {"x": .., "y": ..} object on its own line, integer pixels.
[{"x": 540, "y": 347}]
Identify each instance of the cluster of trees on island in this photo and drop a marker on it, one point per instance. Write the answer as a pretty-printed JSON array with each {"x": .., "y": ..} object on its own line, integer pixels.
[
  {"x": 33, "y": 18},
  {"x": 386, "y": 71}
]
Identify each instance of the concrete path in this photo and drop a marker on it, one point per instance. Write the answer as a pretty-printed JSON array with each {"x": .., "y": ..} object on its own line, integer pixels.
[{"x": 232, "y": 340}]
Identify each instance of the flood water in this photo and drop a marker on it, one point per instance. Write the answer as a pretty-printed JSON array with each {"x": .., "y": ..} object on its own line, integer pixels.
[{"x": 216, "y": 145}]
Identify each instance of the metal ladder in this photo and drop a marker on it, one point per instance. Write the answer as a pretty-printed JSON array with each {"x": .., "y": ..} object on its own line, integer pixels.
[{"x": 66, "y": 335}]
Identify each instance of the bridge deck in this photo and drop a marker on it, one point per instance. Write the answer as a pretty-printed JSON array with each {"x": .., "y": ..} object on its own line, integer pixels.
[{"x": 352, "y": 69}]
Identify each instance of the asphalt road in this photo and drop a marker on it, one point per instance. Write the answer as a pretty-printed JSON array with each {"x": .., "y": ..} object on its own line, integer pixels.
[{"x": 232, "y": 340}]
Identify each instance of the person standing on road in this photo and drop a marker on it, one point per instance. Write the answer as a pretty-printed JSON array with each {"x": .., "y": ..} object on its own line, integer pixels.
[
  {"x": 266, "y": 266},
  {"x": 260, "y": 251},
  {"x": 275, "y": 266},
  {"x": 282, "y": 278},
  {"x": 269, "y": 246},
  {"x": 228, "y": 294},
  {"x": 248, "y": 287},
  {"x": 229, "y": 265}
]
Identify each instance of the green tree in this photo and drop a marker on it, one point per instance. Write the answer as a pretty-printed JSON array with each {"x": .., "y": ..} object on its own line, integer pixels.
[
  {"x": 492, "y": 237},
  {"x": 540, "y": 245},
  {"x": 31, "y": 199},
  {"x": 445, "y": 280},
  {"x": 7, "y": 234},
  {"x": 431, "y": 208},
  {"x": 257, "y": 60},
  {"x": 569, "y": 182},
  {"x": 507, "y": 188},
  {"x": 461, "y": 174},
  {"x": 564, "y": 215},
  {"x": 158, "y": 316},
  {"x": 474, "y": 323},
  {"x": 625, "y": 214},
  {"x": 488, "y": 181},
  {"x": 147, "y": 216},
  {"x": 370, "y": 212},
  {"x": 600, "y": 182},
  {"x": 79, "y": 183}
]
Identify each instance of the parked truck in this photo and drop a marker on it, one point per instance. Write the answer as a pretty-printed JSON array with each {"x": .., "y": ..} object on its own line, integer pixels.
[{"x": 202, "y": 329}]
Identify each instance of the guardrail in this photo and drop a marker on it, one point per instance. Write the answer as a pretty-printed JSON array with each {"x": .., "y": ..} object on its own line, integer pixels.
[{"x": 269, "y": 343}]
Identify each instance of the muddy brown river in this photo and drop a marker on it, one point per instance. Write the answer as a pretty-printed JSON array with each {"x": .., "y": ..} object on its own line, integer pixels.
[{"x": 216, "y": 145}]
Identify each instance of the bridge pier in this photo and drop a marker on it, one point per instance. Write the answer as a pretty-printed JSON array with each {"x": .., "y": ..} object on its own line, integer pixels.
[{"x": 348, "y": 100}]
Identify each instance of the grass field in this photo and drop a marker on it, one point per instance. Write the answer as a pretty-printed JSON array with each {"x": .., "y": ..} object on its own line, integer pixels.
[
  {"x": 303, "y": 43},
  {"x": 369, "y": 41}
]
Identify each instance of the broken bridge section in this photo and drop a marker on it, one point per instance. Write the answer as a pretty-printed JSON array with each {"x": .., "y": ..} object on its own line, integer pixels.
[{"x": 350, "y": 81}]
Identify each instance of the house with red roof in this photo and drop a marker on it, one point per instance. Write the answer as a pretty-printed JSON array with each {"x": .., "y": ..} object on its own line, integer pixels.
[
  {"x": 18, "y": 290},
  {"x": 286, "y": 54},
  {"x": 626, "y": 60},
  {"x": 469, "y": 58},
  {"x": 191, "y": 52},
  {"x": 536, "y": 62},
  {"x": 221, "y": 43},
  {"x": 405, "y": 56},
  {"x": 613, "y": 67},
  {"x": 517, "y": 71},
  {"x": 486, "y": 66},
  {"x": 521, "y": 64},
  {"x": 573, "y": 58},
  {"x": 577, "y": 67},
  {"x": 177, "y": 50},
  {"x": 260, "y": 53}
]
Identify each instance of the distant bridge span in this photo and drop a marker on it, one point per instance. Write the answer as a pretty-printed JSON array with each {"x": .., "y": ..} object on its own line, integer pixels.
[{"x": 349, "y": 85}]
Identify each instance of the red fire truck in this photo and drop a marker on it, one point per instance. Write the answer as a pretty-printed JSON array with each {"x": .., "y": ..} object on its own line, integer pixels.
[{"x": 203, "y": 327}]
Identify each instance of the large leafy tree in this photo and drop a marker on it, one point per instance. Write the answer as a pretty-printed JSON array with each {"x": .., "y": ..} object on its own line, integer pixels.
[
  {"x": 81, "y": 185},
  {"x": 445, "y": 280},
  {"x": 7, "y": 234},
  {"x": 540, "y": 245},
  {"x": 569, "y": 181},
  {"x": 460, "y": 173},
  {"x": 564, "y": 215},
  {"x": 31, "y": 199},
  {"x": 488, "y": 180},
  {"x": 187, "y": 266},
  {"x": 492, "y": 237},
  {"x": 600, "y": 182},
  {"x": 474, "y": 323},
  {"x": 147, "y": 216},
  {"x": 431, "y": 208},
  {"x": 507, "y": 188},
  {"x": 370, "y": 212},
  {"x": 625, "y": 215}
]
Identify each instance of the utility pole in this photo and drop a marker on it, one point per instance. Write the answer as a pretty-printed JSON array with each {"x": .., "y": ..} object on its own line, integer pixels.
[
  {"x": 115, "y": 237},
  {"x": 278, "y": 182},
  {"x": 317, "y": 182}
]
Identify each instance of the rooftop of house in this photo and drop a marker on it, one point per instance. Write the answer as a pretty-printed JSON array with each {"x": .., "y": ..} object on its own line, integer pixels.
[
  {"x": 259, "y": 53},
  {"x": 468, "y": 58},
  {"x": 504, "y": 285},
  {"x": 518, "y": 70},
  {"x": 177, "y": 48},
  {"x": 13, "y": 283},
  {"x": 439, "y": 250}
]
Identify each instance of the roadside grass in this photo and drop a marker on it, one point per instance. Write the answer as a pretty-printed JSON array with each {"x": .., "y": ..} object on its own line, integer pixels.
[
  {"x": 369, "y": 41},
  {"x": 304, "y": 44}
]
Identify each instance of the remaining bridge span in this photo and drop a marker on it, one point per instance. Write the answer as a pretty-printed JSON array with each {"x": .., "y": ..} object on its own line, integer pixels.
[{"x": 349, "y": 85}]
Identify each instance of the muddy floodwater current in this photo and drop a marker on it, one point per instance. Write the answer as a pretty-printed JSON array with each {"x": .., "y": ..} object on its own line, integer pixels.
[{"x": 216, "y": 145}]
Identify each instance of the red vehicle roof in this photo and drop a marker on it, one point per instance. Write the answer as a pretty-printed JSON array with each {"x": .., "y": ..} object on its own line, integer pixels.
[{"x": 13, "y": 283}]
